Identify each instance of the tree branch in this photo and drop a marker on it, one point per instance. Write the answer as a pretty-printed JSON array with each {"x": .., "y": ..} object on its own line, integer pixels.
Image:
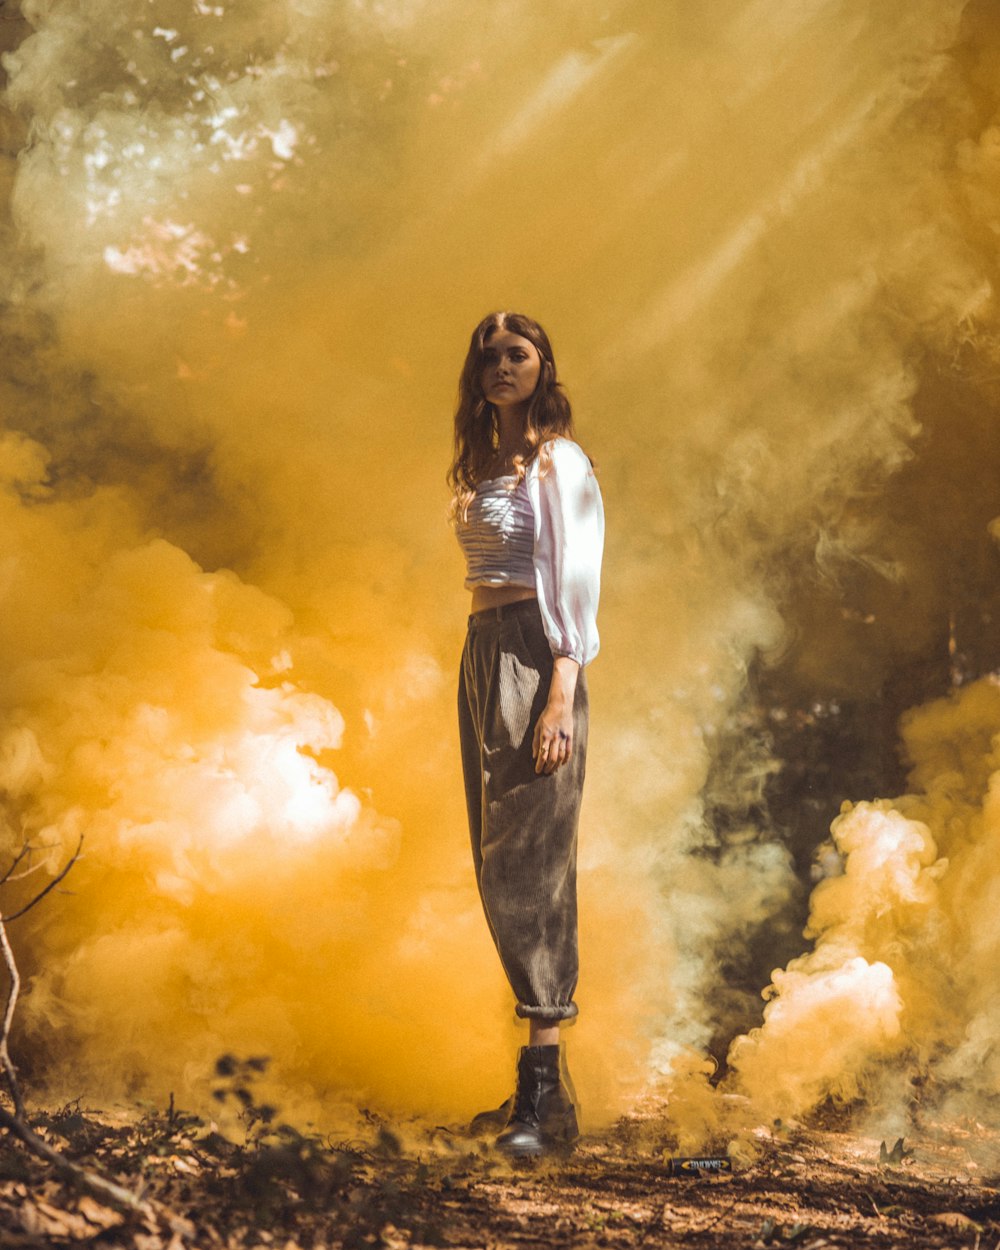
[
  {"x": 9, "y": 1071},
  {"x": 51, "y": 886},
  {"x": 108, "y": 1191},
  {"x": 113, "y": 1194},
  {"x": 22, "y": 854},
  {"x": 6, "y": 1063}
]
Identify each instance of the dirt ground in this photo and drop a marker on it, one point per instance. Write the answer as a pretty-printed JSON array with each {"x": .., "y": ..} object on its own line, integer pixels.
[{"x": 811, "y": 1186}]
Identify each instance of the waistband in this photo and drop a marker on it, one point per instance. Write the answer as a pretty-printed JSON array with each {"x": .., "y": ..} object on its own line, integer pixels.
[{"x": 520, "y": 607}]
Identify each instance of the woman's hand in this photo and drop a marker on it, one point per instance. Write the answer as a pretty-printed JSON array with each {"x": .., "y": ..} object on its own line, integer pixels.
[{"x": 552, "y": 744}]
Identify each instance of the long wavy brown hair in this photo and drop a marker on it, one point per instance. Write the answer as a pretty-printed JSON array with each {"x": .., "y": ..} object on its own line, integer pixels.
[{"x": 477, "y": 422}]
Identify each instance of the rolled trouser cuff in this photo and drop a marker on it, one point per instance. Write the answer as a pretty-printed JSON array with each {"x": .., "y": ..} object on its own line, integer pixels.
[{"x": 565, "y": 1011}]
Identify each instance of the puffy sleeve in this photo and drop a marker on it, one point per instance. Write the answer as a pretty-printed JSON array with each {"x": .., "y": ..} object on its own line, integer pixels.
[{"x": 569, "y": 543}]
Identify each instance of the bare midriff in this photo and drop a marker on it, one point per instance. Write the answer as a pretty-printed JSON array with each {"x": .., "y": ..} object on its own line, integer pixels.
[{"x": 484, "y": 597}]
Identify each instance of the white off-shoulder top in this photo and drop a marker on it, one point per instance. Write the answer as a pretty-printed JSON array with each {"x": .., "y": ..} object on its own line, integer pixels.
[{"x": 547, "y": 533}]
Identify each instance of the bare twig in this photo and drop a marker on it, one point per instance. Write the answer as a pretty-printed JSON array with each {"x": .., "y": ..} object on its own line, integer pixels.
[
  {"x": 108, "y": 1191},
  {"x": 113, "y": 1194},
  {"x": 9, "y": 1071},
  {"x": 50, "y": 887},
  {"x": 6, "y": 1063},
  {"x": 23, "y": 853},
  {"x": 27, "y": 872}
]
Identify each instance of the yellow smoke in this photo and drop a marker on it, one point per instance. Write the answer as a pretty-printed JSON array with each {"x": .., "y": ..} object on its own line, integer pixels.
[{"x": 246, "y": 247}]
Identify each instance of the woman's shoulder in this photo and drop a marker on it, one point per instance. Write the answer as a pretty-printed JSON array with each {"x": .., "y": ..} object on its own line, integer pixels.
[{"x": 564, "y": 456}]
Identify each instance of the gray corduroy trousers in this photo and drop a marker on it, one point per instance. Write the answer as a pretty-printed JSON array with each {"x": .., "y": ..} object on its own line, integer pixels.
[{"x": 523, "y": 824}]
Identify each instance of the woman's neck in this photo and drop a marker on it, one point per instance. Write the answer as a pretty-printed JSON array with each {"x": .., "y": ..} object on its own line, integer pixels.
[{"x": 511, "y": 441}]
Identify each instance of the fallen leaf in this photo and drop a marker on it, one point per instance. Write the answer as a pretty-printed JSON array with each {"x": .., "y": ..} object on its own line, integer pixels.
[
  {"x": 148, "y": 1241},
  {"x": 182, "y": 1229},
  {"x": 955, "y": 1219},
  {"x": 96, "y": 1213},
  {"x": 41, "y": 1217}
]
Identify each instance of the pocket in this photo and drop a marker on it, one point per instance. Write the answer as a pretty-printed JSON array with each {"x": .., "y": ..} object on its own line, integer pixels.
[{"x": 534, "y": 644}]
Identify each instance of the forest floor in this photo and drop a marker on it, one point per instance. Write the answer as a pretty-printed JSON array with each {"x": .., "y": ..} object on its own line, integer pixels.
[{"x": 810, "y": 1186}]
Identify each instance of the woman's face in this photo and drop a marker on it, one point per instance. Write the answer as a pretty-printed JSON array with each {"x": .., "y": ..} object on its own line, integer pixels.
[{"x": 511, "y": 365}]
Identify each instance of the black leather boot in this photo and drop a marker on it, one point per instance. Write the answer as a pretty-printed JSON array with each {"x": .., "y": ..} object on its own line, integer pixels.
[
  {"x": 543, "y": 1118},
  {"x": 487, "y": 1122}
]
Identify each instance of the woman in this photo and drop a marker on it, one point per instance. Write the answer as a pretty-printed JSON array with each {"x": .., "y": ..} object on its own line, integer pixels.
[{"x": 529, "y": 518}]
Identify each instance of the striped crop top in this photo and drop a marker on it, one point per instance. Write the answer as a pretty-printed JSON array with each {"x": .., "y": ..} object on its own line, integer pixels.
[
  {"x": 498, "y": 535},
  {"x": 545, "y": 532}
]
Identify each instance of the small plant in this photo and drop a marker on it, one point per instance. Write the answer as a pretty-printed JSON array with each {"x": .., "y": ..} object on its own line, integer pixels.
[
  {"x": 236, "y": 1079},
  {"x": 279, "y": 1167}
]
